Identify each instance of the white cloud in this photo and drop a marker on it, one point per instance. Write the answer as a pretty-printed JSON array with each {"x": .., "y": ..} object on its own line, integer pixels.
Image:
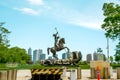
[
  {"x": 86, "y": 23},
  {"x": 28, "y": 11},
  {"x": 77, "y": 18},
  {"x": 36, "y": 2}
]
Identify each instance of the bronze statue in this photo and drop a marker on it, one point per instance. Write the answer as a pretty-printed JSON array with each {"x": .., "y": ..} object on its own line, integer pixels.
[{"x": 58, "y": 45}]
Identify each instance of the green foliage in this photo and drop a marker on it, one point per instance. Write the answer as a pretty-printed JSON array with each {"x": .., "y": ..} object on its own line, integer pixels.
[
  {"x": 105, "y": 58},
  {"x": 3, "y": 53},
  {"x": 112, "y": 20},
  {"x": 4, "y": 35},
  {"x": 99, "y": 50},
  {"x": 84, "y": 66},
  {"x": 117, "y": 54},
  {"x": 18, "y": 55},
  {"x": 82, "y": 63},
  {"x": 111, "y": 59},
  {"x": 14, "y": 54},
  {"x": 111, "y": 24},
  {"x": 114, "y": 66}
]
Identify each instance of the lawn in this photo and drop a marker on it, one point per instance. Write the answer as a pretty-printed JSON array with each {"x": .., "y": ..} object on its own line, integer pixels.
[{"x": 38, "y": 66}]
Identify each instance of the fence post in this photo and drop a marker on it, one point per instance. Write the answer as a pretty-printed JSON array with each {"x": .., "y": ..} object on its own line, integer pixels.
[
  {"x": 106, "y": 73},
  {"x": 14, "y": 74},
  {"x": 3, "y": 75},
  {"x": 118, "y": 73},
  {"x": 9, "y": 75},
  {"x": 93, "y": 74},
  {"x": 78, "y": 73}
]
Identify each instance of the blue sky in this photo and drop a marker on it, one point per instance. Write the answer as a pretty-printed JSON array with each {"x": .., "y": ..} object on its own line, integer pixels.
[{"x": 32, "y": 23}]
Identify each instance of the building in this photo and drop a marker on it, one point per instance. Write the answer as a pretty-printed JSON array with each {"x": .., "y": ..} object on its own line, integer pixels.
[
  {"x": 30, "y": 53},
  {"x": 36, "y": 55},
  {"x": 95, "y": 57},
  {"x": 89, "y": 57},
  {"x": 40, "y": 51},
  {"x": 100, "y": 56},
  {"x": 42, "y": 57},
  {"x": 64, "y": 56}
]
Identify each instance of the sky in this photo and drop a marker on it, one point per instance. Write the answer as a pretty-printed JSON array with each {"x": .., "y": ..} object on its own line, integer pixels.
[{"x": 32, "y": 24}]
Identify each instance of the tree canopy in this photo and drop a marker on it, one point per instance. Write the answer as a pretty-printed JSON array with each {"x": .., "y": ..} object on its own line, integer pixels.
[
  {"x": 13, "y": 54},
  {"x": 111, "y": 24},
  {"x": 4, "y": 35},
  {"x": 112, "y": 20}
]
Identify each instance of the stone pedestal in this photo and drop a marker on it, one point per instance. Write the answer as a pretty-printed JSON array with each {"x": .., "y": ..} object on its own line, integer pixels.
[{"x": 102, "y": 66}]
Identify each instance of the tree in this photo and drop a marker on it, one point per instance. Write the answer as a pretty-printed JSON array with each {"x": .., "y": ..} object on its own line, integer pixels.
[
  {"x": 14, "y": 54},
  {"x": 99, "y": 50},
  {"x": 18, "y": 55},
  {"x": 117, "y": 54},
  {"x": 104, "y": 57},
  {"x": 111, "y": 59},
  {"x": 112, "y": 20},
  {"x": 4, "y": 35},
  {"x": 111, "y": 24},
  {"x": 3, "y": 53}
]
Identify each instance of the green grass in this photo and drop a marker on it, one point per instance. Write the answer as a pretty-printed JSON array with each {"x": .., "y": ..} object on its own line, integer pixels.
[
  {"x": 84, "y": 66},
  {"x": 38, "y": 66}
]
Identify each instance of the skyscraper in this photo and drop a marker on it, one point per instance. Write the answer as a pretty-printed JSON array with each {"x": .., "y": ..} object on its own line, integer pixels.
[
  {"x": 95, "y": 57},
  {"x": 42, "y": 56},
  {"x": 64, "y": 56},
  {"x": 100, "y": 56},
  {"x": 89, "y": 57},
  {"x": 30, "y": 53},
  {"x": 40, "y": 52},
  {"x": 36, "y": 55}
]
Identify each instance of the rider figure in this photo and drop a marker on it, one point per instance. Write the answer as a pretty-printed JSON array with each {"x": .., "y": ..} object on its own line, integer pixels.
[{"x": 56, "y": 37}]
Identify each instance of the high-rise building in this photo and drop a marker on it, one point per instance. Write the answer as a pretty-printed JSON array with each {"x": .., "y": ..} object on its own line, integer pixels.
[
  {"x": 64, "y": 56},
  {"x": 89, "y": 57},
  {"x": 36, "y": 55},
  {"x": 40, "y": 51},
  {"x": 42, "y": 56},
  {"x": 30, "y": 53},
  {"x": 100, "y": 56},
  {"x": 95, "y": 57}
]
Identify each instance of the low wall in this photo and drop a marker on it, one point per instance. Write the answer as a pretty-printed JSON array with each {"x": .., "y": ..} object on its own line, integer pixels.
[
  {"x": 103, "y": 67},
  {"x": 8, "y": 74}
]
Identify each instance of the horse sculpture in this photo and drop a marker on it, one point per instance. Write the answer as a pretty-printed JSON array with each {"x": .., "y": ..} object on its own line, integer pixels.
[{"x": 58, "y": 45}]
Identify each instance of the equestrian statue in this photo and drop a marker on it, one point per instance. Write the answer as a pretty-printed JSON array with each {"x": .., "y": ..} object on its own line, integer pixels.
[{"x": 58, "y": 45}]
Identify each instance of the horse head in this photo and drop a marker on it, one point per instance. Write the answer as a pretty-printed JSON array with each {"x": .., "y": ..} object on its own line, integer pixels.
[{"x": 62, "y": 41}]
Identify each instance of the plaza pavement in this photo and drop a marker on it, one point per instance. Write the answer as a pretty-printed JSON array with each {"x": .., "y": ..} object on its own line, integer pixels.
[{"x": 26, "y": 75}]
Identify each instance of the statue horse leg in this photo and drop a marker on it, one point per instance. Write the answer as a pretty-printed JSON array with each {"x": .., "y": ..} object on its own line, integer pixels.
[
  {"x": 55, "y": 57},
  {"x": 68, "y": 50},
  {"x": 48, "y": 50}
]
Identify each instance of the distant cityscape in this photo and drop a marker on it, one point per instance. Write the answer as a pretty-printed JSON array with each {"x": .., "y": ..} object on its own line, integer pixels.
[
  {"x": 38, "y": 55},
  {"x": 96, "y": 56}
]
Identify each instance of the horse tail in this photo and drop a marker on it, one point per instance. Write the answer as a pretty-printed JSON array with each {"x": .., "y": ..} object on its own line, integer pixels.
[{"x": 48, "y": 50}]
